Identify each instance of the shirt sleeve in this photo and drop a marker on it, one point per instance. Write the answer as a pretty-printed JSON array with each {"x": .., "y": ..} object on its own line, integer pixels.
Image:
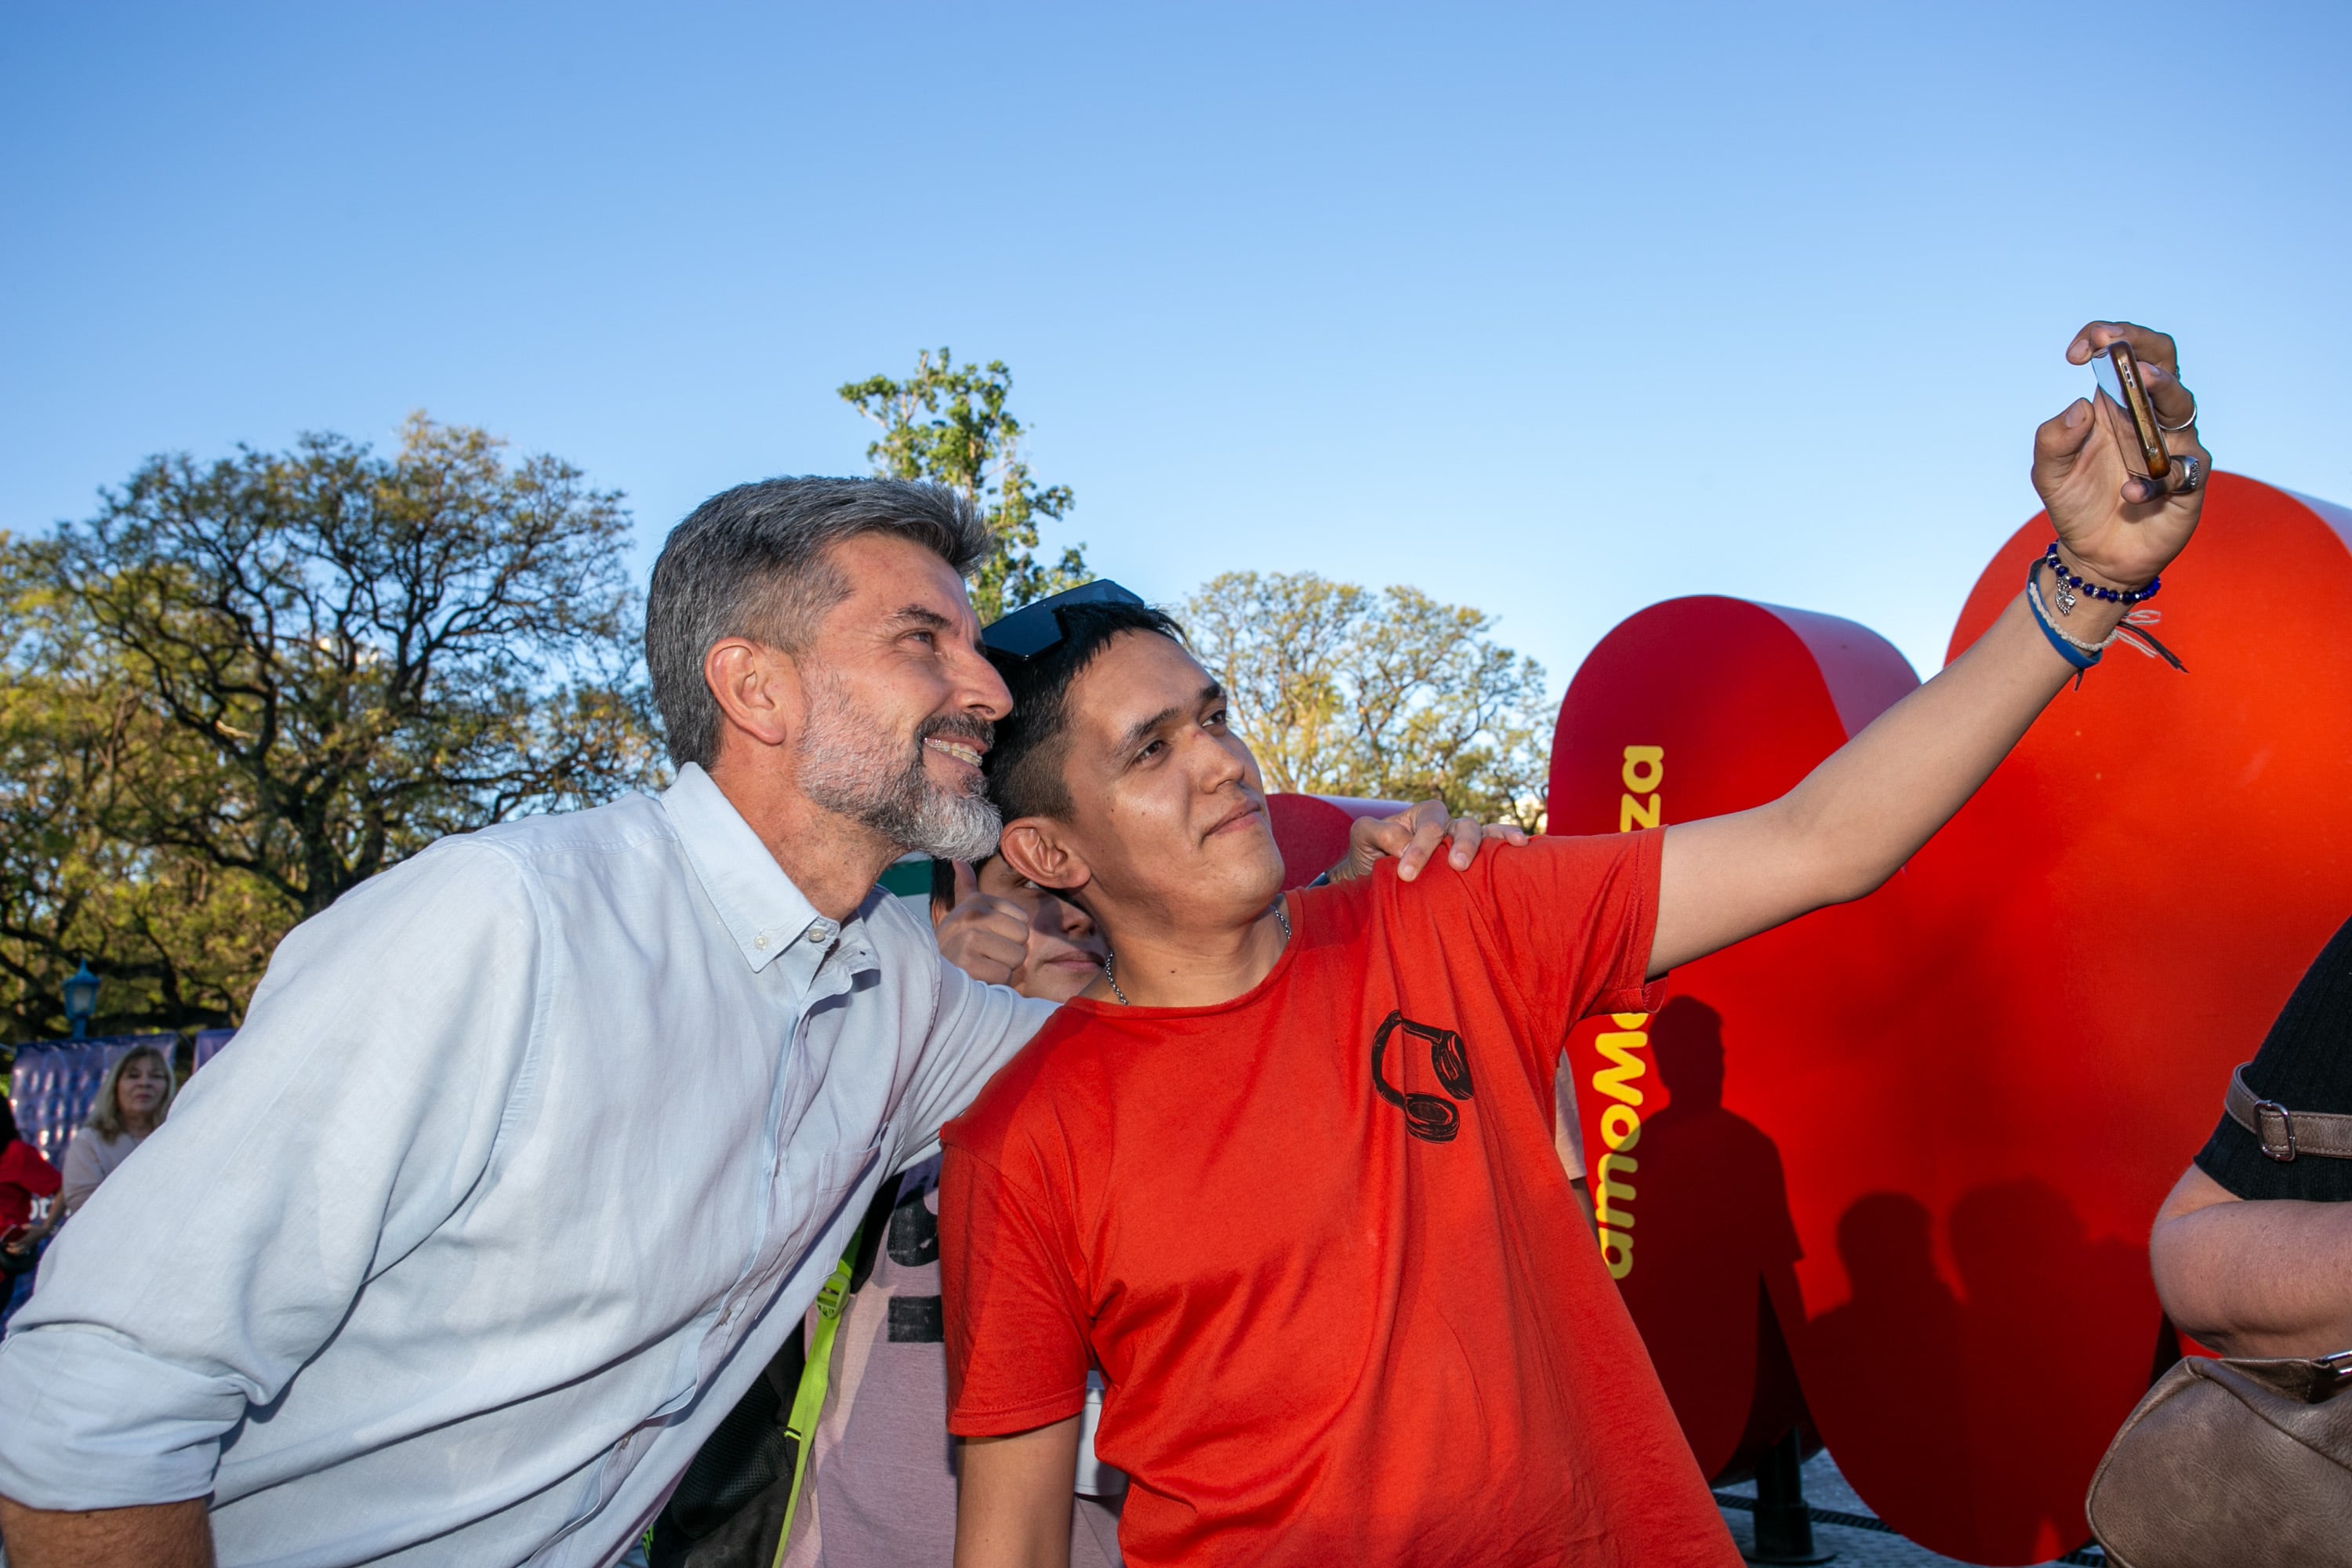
[
  {"x": 358, "y": 1107},
  {"x": 1017, "y": 1353},
  {"x": 1571, "y": 920},
  {"x": 976, "y": 1029},
  {"x": 30, "y": 1171}
]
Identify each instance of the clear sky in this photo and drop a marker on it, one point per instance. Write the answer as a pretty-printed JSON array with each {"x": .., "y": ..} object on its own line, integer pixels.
[{"x": 1557, "y": 311}]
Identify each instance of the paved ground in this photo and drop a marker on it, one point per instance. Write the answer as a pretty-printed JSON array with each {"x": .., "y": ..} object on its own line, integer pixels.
[{"x": 1855, "y": 1548}]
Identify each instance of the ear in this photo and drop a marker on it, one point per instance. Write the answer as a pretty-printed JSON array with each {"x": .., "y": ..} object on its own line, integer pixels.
[
  {"x": 757, "y": 687},
  {"x": 1038, "y": 848}
]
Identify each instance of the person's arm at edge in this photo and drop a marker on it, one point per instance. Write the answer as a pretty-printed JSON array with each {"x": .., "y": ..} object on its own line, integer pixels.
[
  {"x": 1013, "y": 1498},
  {"x": 2270, "y": 1277},
  {"x": 1869, "y": 806},
  {"x": 80, "y": 1177},
  {"x": 158, "y": 1535}
]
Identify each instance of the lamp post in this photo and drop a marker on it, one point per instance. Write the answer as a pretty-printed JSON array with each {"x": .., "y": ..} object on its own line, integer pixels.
[{"x": 81, "y": 1000}]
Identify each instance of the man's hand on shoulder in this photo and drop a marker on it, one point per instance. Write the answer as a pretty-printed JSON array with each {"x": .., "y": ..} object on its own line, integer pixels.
[{"x": 1412, "y": 837}]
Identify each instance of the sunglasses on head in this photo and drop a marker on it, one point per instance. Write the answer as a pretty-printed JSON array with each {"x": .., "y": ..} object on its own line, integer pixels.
[{"x": 1036, "y": 628}]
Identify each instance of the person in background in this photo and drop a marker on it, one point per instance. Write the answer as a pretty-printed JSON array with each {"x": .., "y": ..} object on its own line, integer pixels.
[
  {"x": 131, "y": 1103},
  {"x": 880, "y": 1489},
  {"x": 24, "y": 1177},
  {"x": 2252, "y": 1253}
]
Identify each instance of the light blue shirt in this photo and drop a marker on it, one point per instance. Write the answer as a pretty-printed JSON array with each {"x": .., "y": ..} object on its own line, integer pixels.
[{"x": 530, "y": 1153}]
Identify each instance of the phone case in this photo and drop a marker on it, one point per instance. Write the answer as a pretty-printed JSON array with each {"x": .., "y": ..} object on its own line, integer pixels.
[{"x": 2130, "y": 413}]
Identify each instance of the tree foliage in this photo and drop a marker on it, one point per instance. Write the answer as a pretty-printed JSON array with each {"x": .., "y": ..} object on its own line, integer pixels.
[
  {"x": 242, "y": 689},
  {"x": 1388, "y": 696},
  {"x": 947, "y": 424}
]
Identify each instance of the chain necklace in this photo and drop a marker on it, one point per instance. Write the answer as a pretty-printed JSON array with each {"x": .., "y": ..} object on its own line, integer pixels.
[{"x": 1281, "y": 918}]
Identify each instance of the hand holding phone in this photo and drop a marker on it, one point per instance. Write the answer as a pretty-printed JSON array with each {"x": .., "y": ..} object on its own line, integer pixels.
[{"x": 2122, "y": 404}]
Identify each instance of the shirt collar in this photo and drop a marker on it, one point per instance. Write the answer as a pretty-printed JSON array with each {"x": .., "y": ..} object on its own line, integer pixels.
[{"x": 764, "y": 912}]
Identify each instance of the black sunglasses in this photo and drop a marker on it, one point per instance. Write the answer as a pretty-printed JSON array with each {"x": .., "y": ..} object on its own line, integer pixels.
[{"x": 1036, "y": 628}]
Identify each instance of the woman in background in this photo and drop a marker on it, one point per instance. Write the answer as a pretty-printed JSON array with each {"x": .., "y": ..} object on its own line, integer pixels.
[
  {"x": 25, "y": 1178},
  {"x": 131, "y": 1105}
]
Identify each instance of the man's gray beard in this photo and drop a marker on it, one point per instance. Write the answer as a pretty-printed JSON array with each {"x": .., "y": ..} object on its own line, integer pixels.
[{"x": 847, "y": 765}]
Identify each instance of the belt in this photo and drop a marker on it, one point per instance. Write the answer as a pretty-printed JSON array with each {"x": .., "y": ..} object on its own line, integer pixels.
[{"x": 2286, "y": 1133}]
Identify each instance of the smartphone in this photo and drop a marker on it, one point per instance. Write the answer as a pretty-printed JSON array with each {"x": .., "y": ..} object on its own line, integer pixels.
[{"x": 2123, "y": 404}]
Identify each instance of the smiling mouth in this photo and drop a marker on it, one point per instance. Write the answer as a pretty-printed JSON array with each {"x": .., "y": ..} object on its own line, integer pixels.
[
  {"x": 1237, "y": 819},
  {"x": 965, "y": 754}
]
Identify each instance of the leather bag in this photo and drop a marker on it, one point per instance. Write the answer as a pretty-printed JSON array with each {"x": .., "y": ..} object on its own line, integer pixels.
[{"x": 2242, "y": 1462}]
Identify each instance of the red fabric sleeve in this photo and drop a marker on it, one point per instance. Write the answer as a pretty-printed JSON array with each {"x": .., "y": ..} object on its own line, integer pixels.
[
  {"x": 1017, "y": 1353},
  {"x": 1572, "y": 922},
  {"x": 21, "y": 1166}
]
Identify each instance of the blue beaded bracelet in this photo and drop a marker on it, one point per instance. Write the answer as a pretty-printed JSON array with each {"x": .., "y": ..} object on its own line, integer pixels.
[
  {"x": 2126, "y": 597},
  {"x": 2073, "y": 652}
]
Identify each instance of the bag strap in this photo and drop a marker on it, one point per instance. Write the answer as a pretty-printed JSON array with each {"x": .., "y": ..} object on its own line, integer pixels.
[
  {"x": 816, "y": 1368},
  {"x": 2283, "y": 1133}
]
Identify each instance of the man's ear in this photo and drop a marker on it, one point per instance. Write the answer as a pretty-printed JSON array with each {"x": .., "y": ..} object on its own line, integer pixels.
[
  {"x": 1036, "y": 848},
  {"x": 757, "y": 687}
]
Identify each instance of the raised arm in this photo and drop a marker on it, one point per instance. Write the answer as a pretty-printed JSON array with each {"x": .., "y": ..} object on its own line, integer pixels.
[
  {"x": 1013, "y": 1505},
  {"x": 1872, "y": 802}
]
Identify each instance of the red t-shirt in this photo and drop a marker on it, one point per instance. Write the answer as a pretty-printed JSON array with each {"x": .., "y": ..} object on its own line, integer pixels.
[
  {"x": 23, "y": 1177},
  {"x": 1319, "y": 1242}
]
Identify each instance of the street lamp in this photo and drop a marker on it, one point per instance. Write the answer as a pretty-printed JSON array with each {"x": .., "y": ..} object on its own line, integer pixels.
[{"x": 81, "y": 1000}]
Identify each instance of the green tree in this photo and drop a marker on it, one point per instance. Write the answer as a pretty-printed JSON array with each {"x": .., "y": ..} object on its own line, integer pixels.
[
  {"x": 242, "y": 688},
  {"x": 947, "y": 424},
  {"x": 1388, "y": 696}
]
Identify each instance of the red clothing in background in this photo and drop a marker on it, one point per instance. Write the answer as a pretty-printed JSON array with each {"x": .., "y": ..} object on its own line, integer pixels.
[
  {"x": 1319, "y": 1242},
  {"x": 23, "y": 1177}
]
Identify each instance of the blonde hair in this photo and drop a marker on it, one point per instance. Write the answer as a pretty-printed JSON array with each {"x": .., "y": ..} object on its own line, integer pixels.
[{"x": 106, "y": 1116}]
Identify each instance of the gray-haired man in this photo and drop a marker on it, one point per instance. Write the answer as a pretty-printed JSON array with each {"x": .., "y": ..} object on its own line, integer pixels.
[{"x": 533, "y": 1150}]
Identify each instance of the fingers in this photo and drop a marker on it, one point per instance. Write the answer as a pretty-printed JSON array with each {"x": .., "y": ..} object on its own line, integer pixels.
[
  {"x": 1429, "y": 830},
  {"x": 2160, "y": 363},
  {"x": 2058, "y": 440},
  {"x": 987, "y": 938},
  {"x": 2148, "y": 347},
  {"x": 967, "y": 880}
]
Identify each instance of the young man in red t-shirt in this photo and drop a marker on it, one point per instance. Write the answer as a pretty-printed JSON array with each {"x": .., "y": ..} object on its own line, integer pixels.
[{"x": 1285, "y": 1174}]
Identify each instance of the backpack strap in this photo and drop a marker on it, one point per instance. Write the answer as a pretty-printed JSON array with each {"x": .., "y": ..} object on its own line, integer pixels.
[
  {"x": 816, "y": 1372},
  {"x": 2283, "y": 1133}
]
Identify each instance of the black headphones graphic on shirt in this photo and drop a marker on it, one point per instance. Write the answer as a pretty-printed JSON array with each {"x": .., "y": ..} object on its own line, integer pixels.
[{"x": 1426, "y": 1117}]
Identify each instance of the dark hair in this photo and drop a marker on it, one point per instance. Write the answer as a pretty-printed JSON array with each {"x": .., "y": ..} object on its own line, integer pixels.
[
  {"x": 8, "y": 1133},
  {"x": 751, "y": 562},
  {"x": 1024, "y": 765}
]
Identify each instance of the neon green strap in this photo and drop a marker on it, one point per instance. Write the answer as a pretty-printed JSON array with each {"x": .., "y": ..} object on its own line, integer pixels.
[{"x": 816, "y": 1376}]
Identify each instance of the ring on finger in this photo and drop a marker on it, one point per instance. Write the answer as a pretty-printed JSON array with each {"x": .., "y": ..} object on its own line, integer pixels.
[
  {"x": 2185, "y": 424},
  {"x": 2188, "y": 473}
]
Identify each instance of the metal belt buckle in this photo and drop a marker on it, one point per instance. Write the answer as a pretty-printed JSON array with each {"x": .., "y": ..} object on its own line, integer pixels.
[{"x": 2269, "y": 1107}]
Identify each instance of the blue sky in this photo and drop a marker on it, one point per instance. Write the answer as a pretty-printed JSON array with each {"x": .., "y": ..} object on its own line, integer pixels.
[{"x": 1557, "y": 311}]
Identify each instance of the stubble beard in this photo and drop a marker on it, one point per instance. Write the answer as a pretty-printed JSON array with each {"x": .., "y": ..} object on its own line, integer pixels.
[{"x": 851, "y": 766}]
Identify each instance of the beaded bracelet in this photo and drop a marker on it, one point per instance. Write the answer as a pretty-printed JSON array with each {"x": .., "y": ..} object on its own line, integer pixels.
[
  {"x": 2081, "y": 655},
  {"x": 2126, "y": 597}
]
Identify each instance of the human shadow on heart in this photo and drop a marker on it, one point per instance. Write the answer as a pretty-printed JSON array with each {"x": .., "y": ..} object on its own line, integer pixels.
[
  {"x": 2025, "y": 1260},
  {"x": 1889, "y": 1349},
  {"x": 1966, "y": 1387},
  {"x": 1709, "y": 1190}
]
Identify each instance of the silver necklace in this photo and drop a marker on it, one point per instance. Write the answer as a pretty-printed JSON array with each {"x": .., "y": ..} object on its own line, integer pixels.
[{"x": 1281, "y": 918}]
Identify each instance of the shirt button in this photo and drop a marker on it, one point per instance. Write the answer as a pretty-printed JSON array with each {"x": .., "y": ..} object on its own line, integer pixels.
[
  {"x": 761, "y": 941},
  {"x": 821, "y": 931}
]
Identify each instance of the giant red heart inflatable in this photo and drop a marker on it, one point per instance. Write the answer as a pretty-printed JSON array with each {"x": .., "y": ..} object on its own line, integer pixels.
[{"x": 1931, "y": 1128}]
